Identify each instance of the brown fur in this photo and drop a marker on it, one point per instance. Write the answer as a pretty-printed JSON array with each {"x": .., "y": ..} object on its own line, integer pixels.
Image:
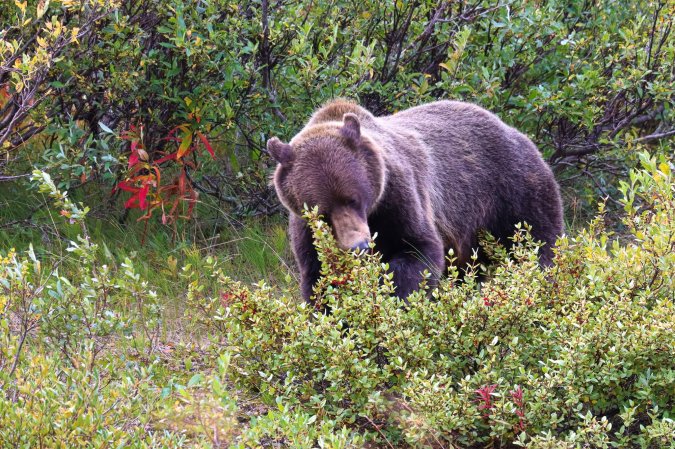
[{"x": 426, "y": 180}]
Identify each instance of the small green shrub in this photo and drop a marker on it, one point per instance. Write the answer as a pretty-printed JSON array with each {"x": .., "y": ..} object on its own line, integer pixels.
[
  {"x": 58, "y": 406},
  {"x": 578, "y": 355},
  {"x": 83, "y": 363},
  {"x": 73, "y": 366}
]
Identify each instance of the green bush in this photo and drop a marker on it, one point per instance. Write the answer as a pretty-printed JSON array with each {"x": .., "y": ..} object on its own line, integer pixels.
[
  {"x": 587, "y": 81},
  {"x": 91, "y": 352},
  {"x": 578, "y": 355},
  {"x": 83, "y": 362},
  {"x": 70, "y": 346}
]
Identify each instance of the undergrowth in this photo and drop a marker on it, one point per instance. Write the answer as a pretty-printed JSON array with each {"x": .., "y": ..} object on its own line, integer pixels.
[{"x": 577, "y": 355}]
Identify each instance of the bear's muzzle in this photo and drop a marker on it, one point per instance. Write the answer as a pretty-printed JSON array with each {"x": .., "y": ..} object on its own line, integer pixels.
[{"x": 351, "y": 231}]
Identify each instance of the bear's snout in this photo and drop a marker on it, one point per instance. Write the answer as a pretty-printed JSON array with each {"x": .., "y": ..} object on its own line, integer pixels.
[
  {"x": 361, "y": 246},
  {"x": 351, "y": 231}
]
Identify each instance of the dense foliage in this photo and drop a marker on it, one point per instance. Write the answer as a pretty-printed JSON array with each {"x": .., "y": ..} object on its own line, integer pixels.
[
  {"x": 91, "y": 82},
  {"x": 577, "y": 355},
  {"x": 114, "y": 334}
]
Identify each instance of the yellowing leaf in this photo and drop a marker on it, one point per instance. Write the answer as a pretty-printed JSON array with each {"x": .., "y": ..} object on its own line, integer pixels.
[
  {"x": 42, "y": 8},
  {"x": 21, "y": 6},
  {"x": 665, "y": 168},
  {"x": 184, "y": 145},
  {"x": 172, "y": 263}
]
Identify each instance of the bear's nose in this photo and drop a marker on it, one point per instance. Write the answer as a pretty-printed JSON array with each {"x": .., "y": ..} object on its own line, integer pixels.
[{"x": 361, "y": 246}]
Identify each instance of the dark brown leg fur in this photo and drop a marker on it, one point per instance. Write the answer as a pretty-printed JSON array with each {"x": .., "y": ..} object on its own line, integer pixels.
[
  {"x": 305, "y": 255},
  {"x": 408, "y": 266}
]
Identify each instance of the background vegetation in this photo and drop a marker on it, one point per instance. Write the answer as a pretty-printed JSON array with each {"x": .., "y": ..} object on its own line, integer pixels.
[{"x": 137, "y": 224}]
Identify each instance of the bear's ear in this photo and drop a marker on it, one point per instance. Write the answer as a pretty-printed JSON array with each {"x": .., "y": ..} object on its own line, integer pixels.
[
  {"x": 281, "y": 152},
  {"x": 351, "y": 130}
]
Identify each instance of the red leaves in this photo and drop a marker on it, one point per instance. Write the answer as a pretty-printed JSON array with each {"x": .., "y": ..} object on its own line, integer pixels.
[
  {"x": 240, "y": 298},
  {"x": 185, "y": 145},
  {"x": 517, "y": 396},
  {"x": 139, "y": 198},
  {"x": 226, "y": 299},
  {"x": 168, "y": 157},
  {"x": 486, "y": 404},
  {"x": 485, "y": 399},
  {"x": 135, "y": 136},
  {"x": 133, "y": 158},
  {"x": 139, "y": 195},
  {"x": 143, "y": 180},
  {"x": 207, "y": 145},
  {"x": 124, "y": 185},
  {"x": 186, "y": 142},
  {"x": 495, "y": 298},
  {"x": 338, "y": 282}
]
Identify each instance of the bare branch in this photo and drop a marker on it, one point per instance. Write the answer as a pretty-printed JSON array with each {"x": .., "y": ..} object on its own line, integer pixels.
[
  {"x": 429, "y": 29},
  {"x": 657, "y": 136},
  {"x": 9, "y": 178}
]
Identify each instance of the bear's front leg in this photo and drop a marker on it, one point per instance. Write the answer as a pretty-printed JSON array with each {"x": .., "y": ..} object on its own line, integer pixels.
[
  {"x": 305, "y": 255},
  {"x": 409, "y": 264}
]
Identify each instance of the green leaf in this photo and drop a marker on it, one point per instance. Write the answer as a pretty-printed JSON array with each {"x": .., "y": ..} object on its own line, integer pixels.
[
  {"x": 194, "y": 380},
  {"x": 105, "y": 128}
]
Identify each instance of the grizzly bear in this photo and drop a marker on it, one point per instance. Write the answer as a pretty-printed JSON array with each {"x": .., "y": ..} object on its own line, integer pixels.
[{"x": 426, "y": 180}]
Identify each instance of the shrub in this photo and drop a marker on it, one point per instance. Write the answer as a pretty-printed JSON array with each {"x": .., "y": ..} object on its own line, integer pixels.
[
  {"x": 576, "y": 355},
  {"x": 71, "y": 347},
  {"x": 82, "y": 364},
  {"x": 586, "y": 81}
]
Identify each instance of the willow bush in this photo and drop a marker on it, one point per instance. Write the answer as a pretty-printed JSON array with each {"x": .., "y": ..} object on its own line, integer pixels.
[
  {"x": 578, "y": 355},
  {"x": 587, "y": 81}
]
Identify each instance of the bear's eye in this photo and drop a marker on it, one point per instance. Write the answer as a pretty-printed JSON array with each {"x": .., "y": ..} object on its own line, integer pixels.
[{"x": 352, "y": 203}]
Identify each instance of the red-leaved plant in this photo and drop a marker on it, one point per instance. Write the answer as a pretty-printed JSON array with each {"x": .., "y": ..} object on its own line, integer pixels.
[
  {"x": 517, "y": 396},
  {"x": 143, "y": 180},
  {"x": 485, "y": 399}
]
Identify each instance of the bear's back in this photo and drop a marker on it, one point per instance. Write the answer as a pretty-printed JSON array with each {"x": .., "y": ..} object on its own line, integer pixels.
[
  {"x": 466, "y": 136},
  {"x": 479, "y": 168},
  {"x": 446, "y": 122},
  {"x": 334, "y": 111}
]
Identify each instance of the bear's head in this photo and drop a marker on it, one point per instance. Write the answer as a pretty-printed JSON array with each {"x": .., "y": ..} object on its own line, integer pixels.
[{"x": 336, "y": 168}]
